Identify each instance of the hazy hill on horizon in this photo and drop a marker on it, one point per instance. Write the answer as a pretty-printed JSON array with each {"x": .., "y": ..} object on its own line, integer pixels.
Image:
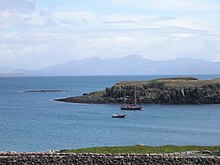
[
  {"x": 130, "y": 65},
  {"x": 133, "y": 65}
]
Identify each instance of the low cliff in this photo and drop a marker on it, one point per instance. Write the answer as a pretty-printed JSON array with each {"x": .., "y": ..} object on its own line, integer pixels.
[{"x": 182, "y": 90}]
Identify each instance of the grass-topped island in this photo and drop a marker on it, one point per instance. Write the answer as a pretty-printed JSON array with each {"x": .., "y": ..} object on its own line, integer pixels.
[{"x": 179, "y": 90}]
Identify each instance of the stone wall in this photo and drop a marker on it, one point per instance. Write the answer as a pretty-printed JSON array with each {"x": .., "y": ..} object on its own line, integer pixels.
[{"x": 14, "y": 158}]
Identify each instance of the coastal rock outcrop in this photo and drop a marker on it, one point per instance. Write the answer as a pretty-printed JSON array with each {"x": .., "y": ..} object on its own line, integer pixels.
[{"x": 182, "y": 90}]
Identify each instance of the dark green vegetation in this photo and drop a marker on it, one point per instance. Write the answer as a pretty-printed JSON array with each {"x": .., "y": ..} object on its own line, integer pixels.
[
  {"x": 179, "y": 90},
  {"x": 178, "y": 82},
  {"x": 142, "y": 149}
]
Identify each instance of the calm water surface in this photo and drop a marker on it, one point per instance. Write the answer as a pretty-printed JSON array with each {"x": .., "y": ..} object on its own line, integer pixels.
[{"x": 35, "y": 122}]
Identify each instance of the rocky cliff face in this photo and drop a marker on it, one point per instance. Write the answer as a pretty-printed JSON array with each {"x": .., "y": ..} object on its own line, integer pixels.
[
  {"x": 162, "y": 91},
  {"x": 169, "y": 91}
]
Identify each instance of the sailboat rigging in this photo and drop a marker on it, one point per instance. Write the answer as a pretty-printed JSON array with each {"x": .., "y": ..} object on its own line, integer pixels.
[{"x": 134, "y": 106}]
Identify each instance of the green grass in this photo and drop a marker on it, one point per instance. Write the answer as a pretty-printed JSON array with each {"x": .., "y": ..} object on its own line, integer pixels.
[
  {"x": 98, "y": 93},
  {"x": 142, "y": 149},
  {"x": 170, "y": 82},
  {"x": 178, "y": 78}
]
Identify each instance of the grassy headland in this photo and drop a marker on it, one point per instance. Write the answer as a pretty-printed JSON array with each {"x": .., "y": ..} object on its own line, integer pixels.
[
  {"x": 142, "y": 149},
  {"x": 179, "y": 90}
]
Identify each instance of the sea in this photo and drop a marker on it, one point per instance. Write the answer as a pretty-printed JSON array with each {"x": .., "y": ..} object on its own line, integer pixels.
[{"x": 33, "y": 121}]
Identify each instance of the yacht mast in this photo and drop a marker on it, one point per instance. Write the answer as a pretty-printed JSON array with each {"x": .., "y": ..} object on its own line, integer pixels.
[
  {"x": 135, "y": 96},
  {"x": 124, "y": 98}
]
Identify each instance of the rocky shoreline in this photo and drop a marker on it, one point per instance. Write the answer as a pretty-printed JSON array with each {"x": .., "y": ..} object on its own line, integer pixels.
[{"x": 180, "y": 90}]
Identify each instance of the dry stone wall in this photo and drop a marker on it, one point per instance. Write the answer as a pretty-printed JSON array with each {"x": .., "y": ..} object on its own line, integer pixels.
[{"x": 51, "y": 158}]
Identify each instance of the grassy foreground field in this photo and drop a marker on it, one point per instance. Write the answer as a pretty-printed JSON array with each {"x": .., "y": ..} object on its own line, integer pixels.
[{"x": 142, "y": 149}]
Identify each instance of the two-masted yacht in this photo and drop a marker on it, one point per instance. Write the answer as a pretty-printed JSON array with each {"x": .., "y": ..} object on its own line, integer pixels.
[{"x": 134, "y": 106}]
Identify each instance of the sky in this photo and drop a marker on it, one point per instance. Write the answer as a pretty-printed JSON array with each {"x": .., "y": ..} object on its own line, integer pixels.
[{"x": 38, "y": 33}]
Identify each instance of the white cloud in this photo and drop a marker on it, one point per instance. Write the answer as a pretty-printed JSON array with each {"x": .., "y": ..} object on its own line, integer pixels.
[
  {"x": 4, "y": 19},
  {"x": 170, "y": 5},
  {"x": 17, "y": 6},
  {"x": 73, "y": 17},
  {"x": 125, "y": 40},
  {"x": 181, "y": 35},
  {"x": 35, "y": 18},
  {"x": 85, "y": 20},
  {"x": 40, "y": 49},
  {"x": 34, "y": 38},
  {"x": 14, "y": 12}
]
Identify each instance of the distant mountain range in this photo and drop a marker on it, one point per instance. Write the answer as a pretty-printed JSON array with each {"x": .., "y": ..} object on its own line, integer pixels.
[{"x": 130, "y": 65}]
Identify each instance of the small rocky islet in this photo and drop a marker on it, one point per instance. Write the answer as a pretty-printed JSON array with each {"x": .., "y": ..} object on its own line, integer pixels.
[
  {"x": 179, "y": 90},
  {"x": 47, "y": 90}
]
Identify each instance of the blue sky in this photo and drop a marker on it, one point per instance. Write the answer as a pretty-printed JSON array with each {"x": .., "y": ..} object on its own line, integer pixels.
[{"x": 38, "y": 33}]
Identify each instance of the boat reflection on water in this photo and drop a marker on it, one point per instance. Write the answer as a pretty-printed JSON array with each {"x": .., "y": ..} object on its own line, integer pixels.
[{"x": 131, "y": 107}]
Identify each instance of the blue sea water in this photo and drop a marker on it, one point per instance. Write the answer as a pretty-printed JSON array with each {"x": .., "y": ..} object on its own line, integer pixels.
[{"x": 35, "y": 122}]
